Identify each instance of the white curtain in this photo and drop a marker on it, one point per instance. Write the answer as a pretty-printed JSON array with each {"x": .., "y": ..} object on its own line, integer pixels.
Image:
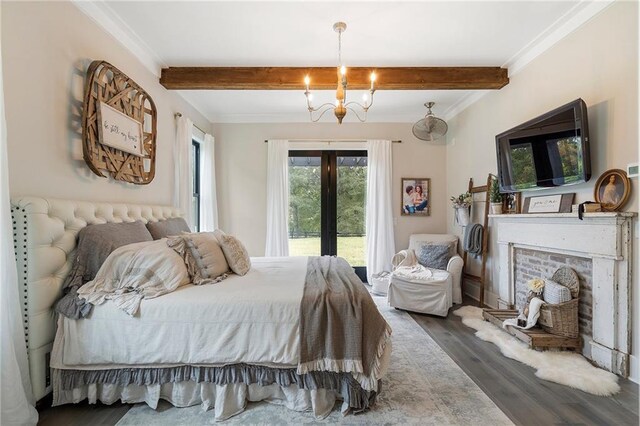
[
  {"x": 17, "y": 399},
  {"x": 277, "y": 198},
  {"x": 183, "y": 178},
  {"x": 208, "y": 196},
  {"x": 379, "y": 213}
]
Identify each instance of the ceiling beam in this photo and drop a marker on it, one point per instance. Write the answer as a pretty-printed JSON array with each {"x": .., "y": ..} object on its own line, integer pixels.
[{"x": 325, "y": 78}]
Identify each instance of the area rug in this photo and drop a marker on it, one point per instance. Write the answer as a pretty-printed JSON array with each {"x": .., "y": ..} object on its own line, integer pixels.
[
  {"x": 423, "y": 386},
  {"x": 566, "y": 368}
]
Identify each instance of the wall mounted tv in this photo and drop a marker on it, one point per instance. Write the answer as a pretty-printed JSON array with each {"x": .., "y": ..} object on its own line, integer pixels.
[{"x": 549, "y": 151}]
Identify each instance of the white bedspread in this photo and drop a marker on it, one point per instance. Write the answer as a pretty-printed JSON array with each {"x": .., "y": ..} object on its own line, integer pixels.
[{"x": 223, "y": 323}]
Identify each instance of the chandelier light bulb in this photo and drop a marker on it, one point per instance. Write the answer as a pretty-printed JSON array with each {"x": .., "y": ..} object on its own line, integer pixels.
[
  {"x": 373, "y": 77},
  {"x": 343, "y": 70}
]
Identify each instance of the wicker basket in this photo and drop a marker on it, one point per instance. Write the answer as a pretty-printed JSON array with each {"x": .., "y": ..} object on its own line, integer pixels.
[{"x": 562, "y": 319}]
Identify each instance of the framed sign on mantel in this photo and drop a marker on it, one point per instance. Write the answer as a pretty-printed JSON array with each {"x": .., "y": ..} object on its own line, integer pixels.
[{"x": 559, "y": 203}]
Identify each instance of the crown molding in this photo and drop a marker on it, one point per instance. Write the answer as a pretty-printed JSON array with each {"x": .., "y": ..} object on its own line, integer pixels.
[
  {"x": 573, "y": 19},
  {"x": 100, "y": 13},
  {"x": 463, "y": 103}
]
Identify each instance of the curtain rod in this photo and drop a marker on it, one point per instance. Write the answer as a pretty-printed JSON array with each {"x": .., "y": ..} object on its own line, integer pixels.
[
  {"x": 177, "y": 114},
  {"x": 330, "y": 140}
]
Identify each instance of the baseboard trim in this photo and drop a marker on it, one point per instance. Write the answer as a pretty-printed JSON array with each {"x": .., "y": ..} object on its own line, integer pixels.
[
  {"x": 472, "y": 290},
  {"x": 634, "y": 367}
]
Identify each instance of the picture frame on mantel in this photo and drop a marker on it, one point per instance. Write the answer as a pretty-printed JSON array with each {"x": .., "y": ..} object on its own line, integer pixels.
[
  {"x": 511, "y": 203},
  {"x": 558, "y": 203}
]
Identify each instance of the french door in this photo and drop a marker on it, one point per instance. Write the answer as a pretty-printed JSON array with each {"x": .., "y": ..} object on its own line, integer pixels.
[{"x": 327, "y": 191}]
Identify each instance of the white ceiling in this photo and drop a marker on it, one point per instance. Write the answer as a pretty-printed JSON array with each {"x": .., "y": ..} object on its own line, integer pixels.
[{"x": 448, "y": 33}]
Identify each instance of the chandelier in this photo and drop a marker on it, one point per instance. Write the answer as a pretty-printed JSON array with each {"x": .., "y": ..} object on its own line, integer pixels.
[{"x": 341, "y": 105}]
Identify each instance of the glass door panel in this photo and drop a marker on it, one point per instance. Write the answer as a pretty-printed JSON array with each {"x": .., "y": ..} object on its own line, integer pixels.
[
  {"x": 327, "y": 192},
  {"x": 350, "y": 208},
  {"x": 305, "y": 205}
]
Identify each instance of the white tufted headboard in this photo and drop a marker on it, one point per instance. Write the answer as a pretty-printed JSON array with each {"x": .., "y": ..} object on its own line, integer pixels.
[{"x": 44, "y": 233}]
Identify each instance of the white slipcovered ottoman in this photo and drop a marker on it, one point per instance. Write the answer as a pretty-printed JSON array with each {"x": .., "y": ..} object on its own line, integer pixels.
[{"x": 432, "y": 295}]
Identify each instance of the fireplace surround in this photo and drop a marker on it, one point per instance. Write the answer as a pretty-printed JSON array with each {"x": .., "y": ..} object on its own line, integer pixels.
[{"x": 606, "y": 239}]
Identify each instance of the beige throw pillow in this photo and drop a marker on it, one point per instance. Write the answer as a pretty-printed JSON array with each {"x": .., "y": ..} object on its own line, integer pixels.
[
  {"x": 235, "y": 252},
  {"x": 203, "y": 256}
]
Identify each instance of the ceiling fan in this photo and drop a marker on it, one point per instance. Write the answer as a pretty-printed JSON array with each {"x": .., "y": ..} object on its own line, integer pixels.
[{"x": 430, "y": 128}]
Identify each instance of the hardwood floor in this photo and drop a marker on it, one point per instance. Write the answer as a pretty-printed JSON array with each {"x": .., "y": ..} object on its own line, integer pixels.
[
  {"x": 511, "y": 385},
  {"x": 514, "y": 387},
  {"x": 82, "y": 414}
]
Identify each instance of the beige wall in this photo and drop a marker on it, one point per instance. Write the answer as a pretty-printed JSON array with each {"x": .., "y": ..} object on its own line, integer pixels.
[
  {"x": 598, "y": 63},
  {"x": 241, "y": 162},
  {"x": 46, "y": 49}
]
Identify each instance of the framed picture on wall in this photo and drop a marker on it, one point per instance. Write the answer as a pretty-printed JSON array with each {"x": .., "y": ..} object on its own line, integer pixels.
[{"x": 416, "y": 196}]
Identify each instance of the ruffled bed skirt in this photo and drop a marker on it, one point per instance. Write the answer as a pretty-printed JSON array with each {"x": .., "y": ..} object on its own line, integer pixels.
[
  {"x": 226, "y": 389},
  {"x": 226, "y": 400}
]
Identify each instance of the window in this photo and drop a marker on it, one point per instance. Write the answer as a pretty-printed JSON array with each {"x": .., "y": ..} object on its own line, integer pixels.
[{"x": 195, "y": 200}]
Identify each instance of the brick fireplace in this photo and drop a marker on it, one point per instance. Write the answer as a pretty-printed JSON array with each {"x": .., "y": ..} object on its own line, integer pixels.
[
  {"x": 599, "y": 249},
  {"x": 529, "y": 264}
]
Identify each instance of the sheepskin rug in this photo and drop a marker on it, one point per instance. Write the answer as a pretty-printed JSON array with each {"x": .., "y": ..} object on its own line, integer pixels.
[{"x": 566, "y": 368}]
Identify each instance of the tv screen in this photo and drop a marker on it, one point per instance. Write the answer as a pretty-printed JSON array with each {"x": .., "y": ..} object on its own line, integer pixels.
[{"x": 549, "y": 151}]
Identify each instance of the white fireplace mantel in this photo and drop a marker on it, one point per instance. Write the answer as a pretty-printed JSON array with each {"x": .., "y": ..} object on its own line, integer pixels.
[{"x": 606, "y": 239}]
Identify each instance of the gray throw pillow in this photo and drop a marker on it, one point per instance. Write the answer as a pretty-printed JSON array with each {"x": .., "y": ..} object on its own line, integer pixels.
[
  {"x": 167, "y": 228},
  {"x": 95, "y": 244},
  {"x": 435, "y": 256}
]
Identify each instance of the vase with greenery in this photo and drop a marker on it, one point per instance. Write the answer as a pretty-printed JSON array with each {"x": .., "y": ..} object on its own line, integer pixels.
[
  {"x": 461, "y": 204},
  {"x": 495, "y": 197}
]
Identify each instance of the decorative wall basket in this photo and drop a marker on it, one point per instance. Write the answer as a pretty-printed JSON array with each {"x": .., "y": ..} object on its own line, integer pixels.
[{"x": 119, "y": 122}]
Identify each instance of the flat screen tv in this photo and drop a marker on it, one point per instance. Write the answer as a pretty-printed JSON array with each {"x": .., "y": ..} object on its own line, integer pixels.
[{"x": 549, "y": 151}]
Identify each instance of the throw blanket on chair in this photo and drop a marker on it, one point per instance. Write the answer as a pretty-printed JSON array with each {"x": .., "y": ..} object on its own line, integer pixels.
[
  {"x": 341, "y": 329},
  {"x": 405, "y": 265},
  {"x": 473, "y": 239}
]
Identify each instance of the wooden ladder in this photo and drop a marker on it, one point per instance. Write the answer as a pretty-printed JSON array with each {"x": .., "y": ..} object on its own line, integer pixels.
[{"x": 475, "y": 190}]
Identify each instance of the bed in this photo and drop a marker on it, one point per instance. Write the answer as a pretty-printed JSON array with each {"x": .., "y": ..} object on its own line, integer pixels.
[{"x": 216, "y": 345}]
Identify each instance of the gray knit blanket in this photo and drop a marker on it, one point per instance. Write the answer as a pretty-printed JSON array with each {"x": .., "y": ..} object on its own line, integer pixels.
[
  {"x": 473, "y": 239},
  {"x": 341, "y": 329}
]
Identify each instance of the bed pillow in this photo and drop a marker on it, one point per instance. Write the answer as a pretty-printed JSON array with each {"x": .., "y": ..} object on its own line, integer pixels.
[
  {"x": 134, "y": 272},
  {"x": 435, "y": 256},
  {"x": 95, "y": 244},
  {"x": 202, "y": 255},
  {"x": 167, "y": 228},
  {"x": 234, "y": 251}
]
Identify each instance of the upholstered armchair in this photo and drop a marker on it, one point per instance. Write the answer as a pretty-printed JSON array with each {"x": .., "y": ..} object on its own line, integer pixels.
[
  {"x": 454, "y": 267},
  {"x": 433, "y": 290}
]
